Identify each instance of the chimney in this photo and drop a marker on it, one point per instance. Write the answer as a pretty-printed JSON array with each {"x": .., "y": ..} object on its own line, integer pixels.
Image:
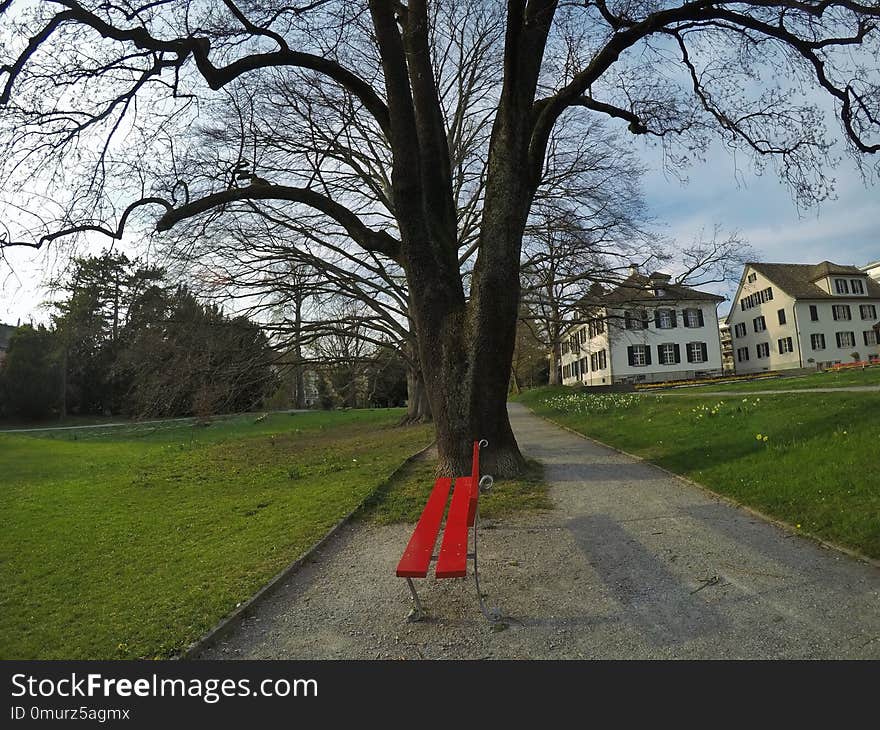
[{"x": 633, "y": 269}]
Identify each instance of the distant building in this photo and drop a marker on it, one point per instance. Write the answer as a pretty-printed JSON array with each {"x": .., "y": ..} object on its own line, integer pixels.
[
  {"x": 310, "y": 388},
  {"x": 648, "y": 329},
  {"x": 873, "y": 270},
  {"x": 788, "y": 316},
  {"x": 727, "y": 364},
  {"x": 6, "y": 331}
]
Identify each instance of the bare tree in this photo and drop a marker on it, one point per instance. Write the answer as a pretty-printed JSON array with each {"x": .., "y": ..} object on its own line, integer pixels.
[{"x": 77, "y": 77}]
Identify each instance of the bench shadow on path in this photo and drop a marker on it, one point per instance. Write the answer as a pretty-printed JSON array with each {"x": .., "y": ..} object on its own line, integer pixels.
[{"x": 650, "y": 597}]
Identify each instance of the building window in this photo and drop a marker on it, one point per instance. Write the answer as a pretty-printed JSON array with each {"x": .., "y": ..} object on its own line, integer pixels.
[
  {"x": 868, "y": 311},
  {"x": 870, "y": 337},
  {"x": 696, "y": 352},
  {"x": 594, "y": 361},
  {"x": 637, "y": 320},
  {"x": 840, "y": 286},
  {"x": 596, "y": 327},
  {"x": 742, "y": 354},
  {"x": 693, "y": 317},
  {"x": 814, "y": 313},
  {"x": 664, "y": 319},
  {"x": 846, "y": 339},
  {"x": 817, "y": 342},
  {"x": 603, "y": 360},
  {"x": 639, "y": 355},
  {"x": 857, "y": 286},
  {"x": 669, "y": 354},
  {"x": 781, "y": 315},
  {"x": 740, "y": 329},
  {"x": 785, "y": 345},
  {"x": 763, "y": 349},
  {"x": 753, "y": 300},
  {"x": 752, "y": 278},
  {"x": 760, "y": 323},
  {"x": 840, "y": 311}
]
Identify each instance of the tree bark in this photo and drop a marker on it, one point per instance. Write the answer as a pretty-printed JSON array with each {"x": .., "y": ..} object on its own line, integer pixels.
[
  {"x": 554, "y": 364},
  {"x": 299, "y": 384},
  {"x": 418, "y": 409}
]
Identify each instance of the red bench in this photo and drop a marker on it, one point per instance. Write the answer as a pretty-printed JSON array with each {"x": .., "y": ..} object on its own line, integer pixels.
[{"x": 453, "y": 556}]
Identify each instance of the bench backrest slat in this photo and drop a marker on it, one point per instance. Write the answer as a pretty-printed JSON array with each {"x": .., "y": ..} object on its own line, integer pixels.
[{"x": 475, "y": 485}]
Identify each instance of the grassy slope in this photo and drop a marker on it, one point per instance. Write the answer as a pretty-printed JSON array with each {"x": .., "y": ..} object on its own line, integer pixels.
[
  {"x": 134, "y": 543},
  {"x": 817, "y": 470},
  {"x": 842, "y": 378}
]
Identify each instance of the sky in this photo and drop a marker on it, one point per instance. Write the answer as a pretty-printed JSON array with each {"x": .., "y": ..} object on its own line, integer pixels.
[{"x": 845, "y": 230}]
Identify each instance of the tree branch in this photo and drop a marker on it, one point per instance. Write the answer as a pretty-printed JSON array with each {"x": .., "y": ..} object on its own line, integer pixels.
[{"x": 367, "y": 238}]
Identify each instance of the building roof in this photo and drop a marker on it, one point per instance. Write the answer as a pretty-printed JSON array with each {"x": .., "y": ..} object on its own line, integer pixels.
[
  {"x": 641, "y": 288},
  {"x": 799, "y": 280},
  {"x": 6, "y": 331}
]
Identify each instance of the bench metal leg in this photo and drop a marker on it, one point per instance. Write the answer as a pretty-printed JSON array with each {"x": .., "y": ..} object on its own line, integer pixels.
[
  {"x": 417, "y": 614},
  {"x": 492, "y": 615}
]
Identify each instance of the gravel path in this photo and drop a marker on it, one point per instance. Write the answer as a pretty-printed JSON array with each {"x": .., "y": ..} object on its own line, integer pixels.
[{"x": 631, "y": 563}]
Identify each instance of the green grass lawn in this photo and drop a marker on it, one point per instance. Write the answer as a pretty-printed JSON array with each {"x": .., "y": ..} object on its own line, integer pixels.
[
  {"x": 132, "y": 542},
  {"x": 868, "y": 376},
  {"x": 817, "y": 469}
]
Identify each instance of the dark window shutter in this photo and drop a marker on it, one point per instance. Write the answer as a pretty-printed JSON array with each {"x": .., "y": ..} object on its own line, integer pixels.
[
  {"x": 673, "y": 316},
  {"x": 677, "y": 353},
  {"x": 629, "y": 354},
  {"x": 647, "y": 354},
  {"x": 657, "y": 318},
  {"x": 705, "y": 351},
  {"x": 684, "y": 317},
  {"x": 700, "y": 316},
  {"x": 865, "y": 334},
  {"x": 689, "y": 353}
]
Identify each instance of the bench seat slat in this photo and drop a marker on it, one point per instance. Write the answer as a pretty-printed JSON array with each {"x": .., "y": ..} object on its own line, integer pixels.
[
  {"x": 452, "y": 562},
  {"x": 417, "y": 556}
]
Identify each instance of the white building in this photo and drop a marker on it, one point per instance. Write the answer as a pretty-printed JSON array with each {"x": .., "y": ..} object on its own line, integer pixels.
[
  {"x": 646, "y": 330},
  {"x": 726, "y": 346},
  {"x": 803, "y": 315},
  {"x": 873, "y": 270}
]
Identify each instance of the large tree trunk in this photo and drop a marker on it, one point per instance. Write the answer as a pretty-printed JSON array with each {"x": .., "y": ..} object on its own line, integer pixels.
[
  {"x": 554, "y": 364},
  {"x": 418, "y": 408},
  {"x": 465, "y": 347},
  {"x": 299, "y": 382}
]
